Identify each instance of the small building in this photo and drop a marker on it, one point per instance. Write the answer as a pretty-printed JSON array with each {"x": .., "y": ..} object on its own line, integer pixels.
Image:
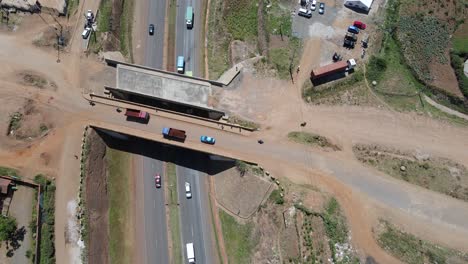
[
  {"x": 359, "y": 4},
  {"x": 4, "y": 186}
]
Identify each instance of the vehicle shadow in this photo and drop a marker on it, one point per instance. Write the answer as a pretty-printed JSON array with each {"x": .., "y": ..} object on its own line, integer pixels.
[{"x": 199, "y": 161}]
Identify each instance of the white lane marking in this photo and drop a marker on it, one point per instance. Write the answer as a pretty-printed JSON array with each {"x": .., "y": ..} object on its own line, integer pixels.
[{"x": 154, "y": 204}]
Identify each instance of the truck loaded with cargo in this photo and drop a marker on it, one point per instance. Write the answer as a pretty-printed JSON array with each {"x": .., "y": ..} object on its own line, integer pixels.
[
  {"x": 175, "y": 134},
  {"x": 332, "y": 68},
  {"x": 190, "y": 253},
  {"x": 137, "y": 115}
]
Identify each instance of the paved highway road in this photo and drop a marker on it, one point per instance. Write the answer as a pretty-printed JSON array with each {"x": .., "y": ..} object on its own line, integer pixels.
[
  {"x": 154, "y": 212},
  {"x": 195, "y": 212},
  {"x": 155, "y": 44},
  {"x": 195, "y": 220},
  {"x": 188, "y": 41},
  {"x": 153, "y": 200}
]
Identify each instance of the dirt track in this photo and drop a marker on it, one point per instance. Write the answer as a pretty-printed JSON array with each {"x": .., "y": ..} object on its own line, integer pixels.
[{"x": 97, "y": 201}]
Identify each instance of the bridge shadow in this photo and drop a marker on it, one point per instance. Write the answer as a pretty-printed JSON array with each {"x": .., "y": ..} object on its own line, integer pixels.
[{"x": 187, "y": 158}]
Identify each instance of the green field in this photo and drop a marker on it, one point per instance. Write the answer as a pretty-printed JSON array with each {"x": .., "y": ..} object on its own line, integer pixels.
[
  {"x": 237, "y": 239},
  {"x": 120, "y": 233}
]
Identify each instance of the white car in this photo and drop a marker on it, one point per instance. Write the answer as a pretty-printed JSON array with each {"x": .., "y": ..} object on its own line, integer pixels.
[
  {"x": 313, "y": 6},
  {"x": 188, "y": 192}
]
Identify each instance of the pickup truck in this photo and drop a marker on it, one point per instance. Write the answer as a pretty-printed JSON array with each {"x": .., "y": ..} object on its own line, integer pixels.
[{"x": 175, "y": 134}]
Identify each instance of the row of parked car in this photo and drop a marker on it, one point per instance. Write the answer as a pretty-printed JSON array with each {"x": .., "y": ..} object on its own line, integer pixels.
[
  {"x": 308, "y": 6},
  {"x": 350, "y": 38}
]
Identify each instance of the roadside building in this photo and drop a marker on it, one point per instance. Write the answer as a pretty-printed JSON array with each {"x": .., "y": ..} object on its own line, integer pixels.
[
  {"x": 359, "y": 4},
  {"x": 4, "y": 186}
]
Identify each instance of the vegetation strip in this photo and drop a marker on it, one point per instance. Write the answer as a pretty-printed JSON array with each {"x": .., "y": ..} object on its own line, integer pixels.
[
  {"x": 311, "y": 139},
  {"x": 120, "y": 231},
  {"x": 237, "y": 238},
  {"x": 413, "y": 250},
  {"x": 47, "y": 230},
  {"x": 174, "y": 217}
]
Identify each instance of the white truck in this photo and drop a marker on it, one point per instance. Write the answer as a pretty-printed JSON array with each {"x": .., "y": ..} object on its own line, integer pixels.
[{"x": 190, "y": 253}]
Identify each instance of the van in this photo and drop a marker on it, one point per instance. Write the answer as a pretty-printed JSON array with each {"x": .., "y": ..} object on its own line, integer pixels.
[
  {"x": 188, "y": 191},
  {"x": 86, "y": 33},
  {"x": 305, "y": 13},
  {"x": 180, "y": 64}
]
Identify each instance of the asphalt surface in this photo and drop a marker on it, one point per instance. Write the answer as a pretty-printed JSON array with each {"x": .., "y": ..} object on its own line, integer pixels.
[
  {"x": 155, "y": 44},
  {"x": 155, "y": 229},
  {"x": 194, "y": 212},
  {"x": 188, "y": 42},
  {"x": 153, "y": 199}
]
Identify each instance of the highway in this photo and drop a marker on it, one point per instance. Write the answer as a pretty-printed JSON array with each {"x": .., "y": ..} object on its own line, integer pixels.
[
  {"x": 154, "y": 211},
  {"x": 195, "y": 212}
]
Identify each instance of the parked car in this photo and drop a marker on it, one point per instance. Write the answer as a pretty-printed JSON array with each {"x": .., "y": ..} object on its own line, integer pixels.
[
  {"x": 207, "y": 140},
  {"x": 86, "y": 32},
  {"x": 359, "y": 24},
  {"x": 305, "y": 12},
  {"x": 188, "y": 191},
  {"x": 321, "y": 8},
  {"x": 351, "y": 36},
  {"x": 151, "y": 29},
  {"x": 349, "y": 43},
  {"x": 157, "y": 181},
  {"x": 313, "y": 6},
  {"x": 353, "y": 29}
]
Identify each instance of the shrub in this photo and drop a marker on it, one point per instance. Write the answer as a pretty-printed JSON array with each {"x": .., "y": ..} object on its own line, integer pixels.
[
  {"x": 276, "y": 197},
  {"x": 376, "y": 68},
  {"x": 8, "y": 228}
]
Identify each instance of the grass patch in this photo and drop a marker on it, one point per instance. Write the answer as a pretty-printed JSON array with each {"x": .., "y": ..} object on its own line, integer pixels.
[
  {"x": 375, "y": 68},
  {"x": 311, "y": 139},
  {"x": 285, "y": 60},
  {"x": 126, "y": 24},
  {"x": 413, "y": 250},
  {"x": 120, "y": 251},
  {"x": 237, "y": 238},
  {"x": 72, "y": 5},
  {"x": 276, "y": 197},
  {"x": 436, "y": 174},
  {"x": 174, "y": 216},
  {"x": 15, "y": 121},
  {"x": 218, "y": 40},
  {"x": 278, "y": 19},
  {"x": 8, "y": 171},
  {"x": 171, "y": 38},
  {"x": 104, "y": 18},
  {"x": 241, "y": 19},
  {"x": 46, "y": 244},
  {"x": 242, "y": 122}
]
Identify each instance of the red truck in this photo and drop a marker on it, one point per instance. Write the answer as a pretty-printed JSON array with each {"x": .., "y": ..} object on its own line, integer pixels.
[
  {"x": 172, "y": 133},
  {"x": 137, "y": 115},
  {"x": 332, "y": 68}
]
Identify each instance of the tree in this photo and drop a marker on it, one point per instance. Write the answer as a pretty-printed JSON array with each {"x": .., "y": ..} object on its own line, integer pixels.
[{"x": 8, "y": 228}]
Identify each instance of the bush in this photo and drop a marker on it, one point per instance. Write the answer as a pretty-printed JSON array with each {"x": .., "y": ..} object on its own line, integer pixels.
[
  {"x": 276, "y": 197},
  {"x": 8, "y": 228},
  {"x": 376, "y": 68},
  {"x": 457, "y": 65},
  {"x": 46, "y": 244}
]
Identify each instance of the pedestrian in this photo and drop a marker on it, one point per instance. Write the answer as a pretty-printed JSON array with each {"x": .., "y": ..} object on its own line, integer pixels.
[
  {"x": 76, "y": 157},
  {"x": 298, "y": 68}
]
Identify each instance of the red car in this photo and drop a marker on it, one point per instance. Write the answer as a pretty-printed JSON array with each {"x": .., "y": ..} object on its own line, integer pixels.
[
  {"x": 157, "y": 181},
  {"x": 359, "y": 24}
]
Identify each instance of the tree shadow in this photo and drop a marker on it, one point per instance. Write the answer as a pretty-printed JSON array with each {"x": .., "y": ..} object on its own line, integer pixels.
[{"x": 14, "y": 243}]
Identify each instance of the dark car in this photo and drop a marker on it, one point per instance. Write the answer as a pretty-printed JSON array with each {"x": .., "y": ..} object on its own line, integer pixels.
[
  {"x": 151, "y": 29},
  {"x": 349, "y": 43},
  {"x": 157, "y": 181},
  {"x": 351, "y": 36},
  {"x": 321, "y": 8}
]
